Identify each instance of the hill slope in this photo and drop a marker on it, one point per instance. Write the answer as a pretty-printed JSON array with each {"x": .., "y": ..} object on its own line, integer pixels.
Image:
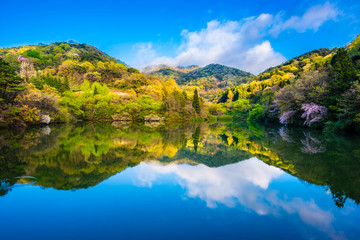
[
  {"x": 73, "y": 60},
  {"x": 319, "y": 88},
  {"x": 67, "y": 81}
]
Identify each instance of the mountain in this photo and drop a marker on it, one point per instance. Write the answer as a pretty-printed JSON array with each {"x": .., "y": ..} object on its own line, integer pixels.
[
  {"x": 184, "y": 75},
  {"x": 73, "y": 60},
  {"x": 211, "y": 79}
]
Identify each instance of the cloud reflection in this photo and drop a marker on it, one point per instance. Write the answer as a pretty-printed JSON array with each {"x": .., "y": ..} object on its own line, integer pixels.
[
  {"x": 245, "y": 183},
  {"x": 226, "y": 185}
]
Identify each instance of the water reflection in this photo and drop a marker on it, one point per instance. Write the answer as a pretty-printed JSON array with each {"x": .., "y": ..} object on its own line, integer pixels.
[
  {"x": 243, "y": 184},
  {"x": 302, "y": 176},
  {"x": 74, "y": 157}
]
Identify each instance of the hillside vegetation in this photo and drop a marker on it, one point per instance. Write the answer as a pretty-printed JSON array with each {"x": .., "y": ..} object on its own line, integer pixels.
[
  {"x": 211, "y": 79},
  {"x": 64, "y": 81},
  {"x": 317, "y": 89},
  {"x": 67, "y": 81}
]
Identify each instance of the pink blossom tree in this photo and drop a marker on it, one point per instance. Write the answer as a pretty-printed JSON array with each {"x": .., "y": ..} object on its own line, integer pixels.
[
  {"x": 313, "y": 113},
  {"x": 286, "y": 116},
  {"x": 21, "y": 58}
]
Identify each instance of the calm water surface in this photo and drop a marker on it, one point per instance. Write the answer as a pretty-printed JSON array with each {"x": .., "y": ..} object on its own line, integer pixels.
[{"x": 178, "y": 182}]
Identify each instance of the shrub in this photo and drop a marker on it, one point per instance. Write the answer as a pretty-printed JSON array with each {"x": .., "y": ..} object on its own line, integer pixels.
[{"x": 255, "y": 113}]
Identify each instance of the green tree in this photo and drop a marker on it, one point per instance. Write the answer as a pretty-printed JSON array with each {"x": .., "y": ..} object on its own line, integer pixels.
[
  {"x": 343, "y": 73},
  {"x": 196, "y": 137},
  {"x": 10, "y": 82},
  {"x": 66, "y": 85},
  {"x": 255, "y": 113},
  {"x": 196, "y": 102},
  {"x": 96, "y": 91}
]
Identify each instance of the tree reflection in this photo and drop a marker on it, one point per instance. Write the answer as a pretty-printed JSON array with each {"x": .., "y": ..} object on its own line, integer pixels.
[{"x": 73, "y": 157}]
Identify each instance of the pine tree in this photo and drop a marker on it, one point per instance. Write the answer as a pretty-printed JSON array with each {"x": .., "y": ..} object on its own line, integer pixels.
[
  {"x": 224, "y": 97},
  {"x": 66, "y": 85},
  {"x": 10, "y": 82},
  {"x": 196, "y": 137},
  {"x": 343, "y": 73},
  {"x": 96, "y": 91},
  {"x": 196, "y": 102},
  {"x": 236, "y": 96}
]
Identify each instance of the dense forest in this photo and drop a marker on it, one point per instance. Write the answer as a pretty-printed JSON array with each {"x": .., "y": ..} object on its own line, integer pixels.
[
  {"x": 318, "y": 89},
  {"x": 67, "y": 81},
  {"x": 64, "y": 82}
]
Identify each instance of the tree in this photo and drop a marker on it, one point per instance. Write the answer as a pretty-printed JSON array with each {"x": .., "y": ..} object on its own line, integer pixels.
[
  {"x": 10, "y": 82},
  {"x": 236, "y": 96},
  {"x": 313, "y": 113},
  {"x": 96, "y": 91},
  {"x": 230, "y": 96},
  {"x": 255, "y": 113},
  {"x": 27, "y": 70},
  {"x": 66, "y": 85},
  {"x": 196, "y": 102},
  {"x": 196, "y": 137},
  {"x": 343, "y": 73}
]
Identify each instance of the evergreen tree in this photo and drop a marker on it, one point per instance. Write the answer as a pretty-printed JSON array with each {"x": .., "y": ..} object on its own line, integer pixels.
[
  {"x": 343, "y": 73},
  {"x": 236, "y": 96},
  {"x": 196, "y": 102},
  {"x": 66, "y": 85},
  {"x": 96, "y": 91},
  {"x": 10, "y": 82},
  {"x": 58, "y": 84},
  {"x": 224, "y": 97},
  {"x": 196, "y": 137}
]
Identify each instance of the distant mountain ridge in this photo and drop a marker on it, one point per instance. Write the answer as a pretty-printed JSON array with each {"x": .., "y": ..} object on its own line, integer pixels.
[
  {"x": 183, "y": 75},
  {"x": 211, "y": 79}
]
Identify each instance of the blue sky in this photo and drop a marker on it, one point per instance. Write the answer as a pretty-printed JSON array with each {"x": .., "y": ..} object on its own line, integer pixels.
[{"x": 251, "y": 35}]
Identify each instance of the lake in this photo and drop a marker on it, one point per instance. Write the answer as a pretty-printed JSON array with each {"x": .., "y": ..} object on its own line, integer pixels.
[{"x": 178, "y": 181}]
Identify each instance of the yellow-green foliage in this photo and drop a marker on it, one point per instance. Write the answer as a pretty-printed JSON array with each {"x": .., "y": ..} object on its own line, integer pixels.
[
  {"x": 355, "y": 44},
  {"x": 86, "y": 84}
]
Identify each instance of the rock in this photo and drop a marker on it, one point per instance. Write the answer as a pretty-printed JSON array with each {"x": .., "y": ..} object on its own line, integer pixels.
[
  {"x": 121, "y": 117},
  {"x": 153, "y": 118},
  {"x": 152, "y": 124},
  {"x": 121, "y": 124},
  {"x": 45, "y": 119}
]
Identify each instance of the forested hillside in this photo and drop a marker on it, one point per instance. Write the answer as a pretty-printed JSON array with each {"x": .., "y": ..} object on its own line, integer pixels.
[
  {"x": 68, "y": 81},
  {"x": 211, "y": 79},
  {"x": 317, "y": 89}
]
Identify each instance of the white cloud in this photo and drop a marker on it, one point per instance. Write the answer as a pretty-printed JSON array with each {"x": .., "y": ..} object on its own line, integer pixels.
[
  {"x": 312, "y": 19},
  {"x": 240, "y": 44}
]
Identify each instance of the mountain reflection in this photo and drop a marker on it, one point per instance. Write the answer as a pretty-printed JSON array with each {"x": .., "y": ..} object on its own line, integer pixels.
[{"x": 70, "y": 157}]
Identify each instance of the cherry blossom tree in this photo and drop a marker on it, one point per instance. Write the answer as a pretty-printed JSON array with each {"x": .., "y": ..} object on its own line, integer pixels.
[
  {"x": 286, "y": 116},
  {"x": 313, "y": 113}
]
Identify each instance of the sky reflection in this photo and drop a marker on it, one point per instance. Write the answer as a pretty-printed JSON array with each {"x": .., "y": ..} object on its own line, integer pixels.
[{"x": 244, "y": 184}]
